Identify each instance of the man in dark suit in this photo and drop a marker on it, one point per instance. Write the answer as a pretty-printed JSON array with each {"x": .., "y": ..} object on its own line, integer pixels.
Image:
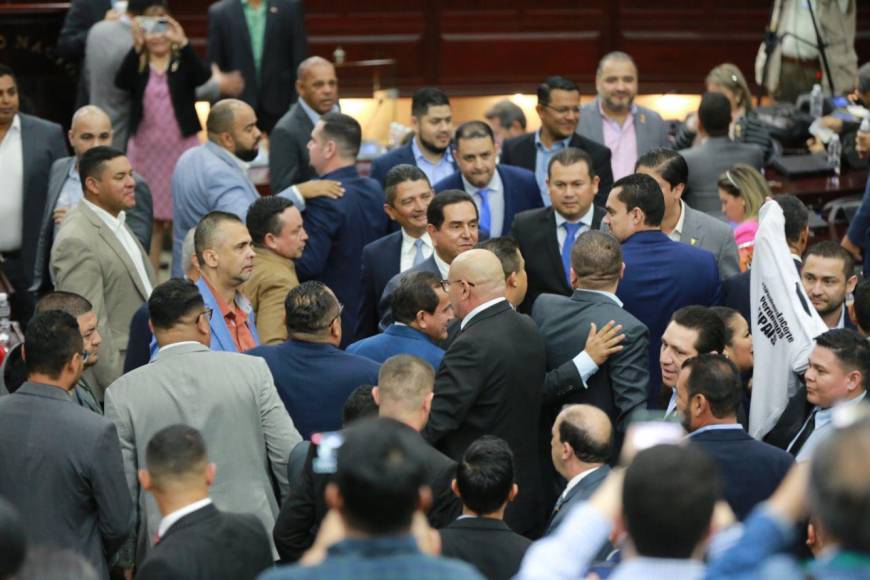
[
  {"x": 312, "y": 375},
  {"x": 404, "y": 395},
  {"x": 546, "y": 235},
  {"x": 408, "y": 194},
  {"x": 317, "y": 87},
  {"x": 579, "y": 370},
  {"x": 559, "y": 110},
  {"x": 499, "y": 191},
  {"x": 661, "y": 275},
  {"x": 195, "y": 540},
  {"x": 67, "y": 481},
  {"x": 580, "y": 447},
  {"x": 267, "y": 55},
  {"x": 432, "y": 122},
  {"x": 709, "y": 392},
  {"x": 485, "y": 484},
  {"x": 490, "y": 380},
  {"x": 90, "y": 127},
  {"x": 28, "y": 148},
  {"x": 339, "y": 229}
]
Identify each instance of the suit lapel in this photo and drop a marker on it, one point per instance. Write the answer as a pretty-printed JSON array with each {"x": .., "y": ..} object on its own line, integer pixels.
[
  {"x": 112, "y": 242},
  {"x": 692, "y": 234},
  {"x": 508, "y": 196},
  {"x": 597, "y": 123},
  {"x": 238, "y": 16},
  {"x": 55, "y": 184},
  {"x": 29, "y": 153},
  {"x": 597, "y": 217},
  {"x": 551, "y": 243},
  {"x": 272, "y": 23},
  {"x": 642, "y": 131}
]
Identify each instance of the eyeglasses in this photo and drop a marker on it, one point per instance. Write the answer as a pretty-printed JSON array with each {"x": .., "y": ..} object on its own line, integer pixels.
[
  {"x": 208, "y": 312},
  {"x": 85, "y": 356},
  {"x": 445, "y": 284},
  {"x": 564, "y": 111}
]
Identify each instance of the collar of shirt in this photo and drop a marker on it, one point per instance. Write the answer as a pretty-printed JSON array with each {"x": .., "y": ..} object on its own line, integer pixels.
[
  {"x": 16, "y": 125},
  {"x": 494, "y": 185},
  {"x": 678, "y": 229},
  {"x": 74, "y": 172},
  {"x": 114, "y": 223},
  {"x": 642, "y": 567},
  {"x": 610, "y": 295},
  {"x": 312, "y": 114},
  {"x": 374, "y": 547},
  {"x": 443, "y": 267},
  {"x": 577, "y": 479},
  {"x": 557, "y": 146},
  {"x": 721, "y": 427},
  {"x": 174, "y": 344},
  {"x": 169, "y": 520},
  {"x": 446, "y": 159},
  {"x": 239, "y": 307},
  {"x": 478, "y": 310},
  {"x": 586, "y": 220},
  {"x": 823, "y": 416},
  {"x": 409, "y": 240}
]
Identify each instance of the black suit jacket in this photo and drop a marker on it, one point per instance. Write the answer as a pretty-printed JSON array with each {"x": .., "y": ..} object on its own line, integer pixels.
[
  {"x": 520, "y": 151},
  {"x": 577, "y": 495},
  {"x": 792, "y": 419},
  {"x": 487, "y": 544},
  {"x": 535, "y": 232},
  {"x": 490, "y": 383},
  {"x": 735, "y": 293},
  {"x": 285, "y": 45},
  {"x": 305, "y": 507},
  {"x": 381, "y": 261},
  {"x": 750, "y": 470},
  {"x": 82, "y": 14},
  {"x": 288, "y": 150},
  {"x": 209, "y": 544}
]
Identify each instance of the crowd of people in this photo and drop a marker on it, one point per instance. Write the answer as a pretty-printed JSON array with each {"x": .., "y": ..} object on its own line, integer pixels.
[{"x": 596, "y": 348}]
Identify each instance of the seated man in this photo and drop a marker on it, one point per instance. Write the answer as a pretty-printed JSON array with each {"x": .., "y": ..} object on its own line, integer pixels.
[
  {"x": 422, "y": 311},
  {"x": 313, "y": 376},
  {"x": 485, "y": 484},
  {"x": 708, "y": 396}
]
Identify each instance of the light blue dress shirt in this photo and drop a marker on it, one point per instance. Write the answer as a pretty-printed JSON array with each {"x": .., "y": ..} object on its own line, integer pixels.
[
  {"x": 495, "y": 196},
  {"x": 70, "y": 192},
  {"x": 542, "y": 162},
  {"x": 823, "y": 428},
  {"x": 434, "y": 171}
]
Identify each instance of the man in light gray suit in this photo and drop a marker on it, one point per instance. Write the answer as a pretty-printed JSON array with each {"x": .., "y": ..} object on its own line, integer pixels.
[
  {"x": 681, "y": 223},
  {"x": 90, "y": 128},
  {"x": 61, "y": 464},
  {"x": 613, "y": 119},
  {"x": 715, "y": 155},
  {"x": 229, "y": 397}
]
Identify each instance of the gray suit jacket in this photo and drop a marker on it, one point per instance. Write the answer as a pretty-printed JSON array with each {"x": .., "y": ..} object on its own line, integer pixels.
[
  {"x": 576, "y": 495},
  {"x": 232, "y": 400},
  {"x": 713, "y": 235},
  {"x": 139, "y": 218},
  {"x": 651, "y": 131},
  {"x": 88, "y": 259},
  {"x": 710, "y": 160},
  {"x": 619, "y": 386},
  {"x": 288, "y": 150},
  {"x": 62, "y": 470}
]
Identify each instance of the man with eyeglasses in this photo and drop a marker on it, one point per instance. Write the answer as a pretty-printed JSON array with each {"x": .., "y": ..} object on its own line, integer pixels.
[
  {"x": 559, "y": 111},
  {"x": 314, "y": 377},
  {"x": 229, "y": 397}
]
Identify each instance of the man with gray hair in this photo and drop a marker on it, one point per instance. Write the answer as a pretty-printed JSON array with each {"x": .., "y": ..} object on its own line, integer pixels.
[{"x": 614, "y": 120}]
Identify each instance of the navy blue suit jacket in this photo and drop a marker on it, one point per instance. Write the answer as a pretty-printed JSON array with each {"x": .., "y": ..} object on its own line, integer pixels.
[
  {"x": 520, "y": 191},
  {"x": 750, "y": 470},
  {"x": 381, "y": 260},
  {"x": 399, "y": 155},
  {"x": 338, "y": 230},
  {"x": 662, "y": 276},
  {"x": 397, "y": 339},
  {"x": 859, "y": 228},
  {"x": 314, "y": 380}
]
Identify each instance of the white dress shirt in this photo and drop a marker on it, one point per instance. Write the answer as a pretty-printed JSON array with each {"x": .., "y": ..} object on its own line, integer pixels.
[
  {"x": 408, "y": 251},
  {"x": 478, "y": 310},
  {"x": 443, "y": 267},
  {"x": 12, "y": 198},
  {"x": 586, "y": 220},
  {"x": 495, "y": 196},
  {"x": 128, "y": 242},
  {"x": 677, "y": 234},
  {"x": 170, "y": 519}
]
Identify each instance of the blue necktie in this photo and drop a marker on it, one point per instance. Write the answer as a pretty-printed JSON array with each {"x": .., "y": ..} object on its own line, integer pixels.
[
  {"x": 485, "y": 215},
  {"x": 571, "y": 234},
  {"x": 418, "y": 253}
]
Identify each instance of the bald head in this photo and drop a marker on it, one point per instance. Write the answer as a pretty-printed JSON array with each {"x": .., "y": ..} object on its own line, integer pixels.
[
  {"x": 581, "y": 438},
  {"x": 310, "y": 63},
  {"x": 475, "y": 276},
  {"x": 90, "y": 127},
  {"x": 222, "y": 116}
]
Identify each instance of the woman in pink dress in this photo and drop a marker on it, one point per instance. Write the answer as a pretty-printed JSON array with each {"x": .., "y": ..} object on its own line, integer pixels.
[
  {"x": 742, "y": 191},
  {"x": 161, "y": 72}
]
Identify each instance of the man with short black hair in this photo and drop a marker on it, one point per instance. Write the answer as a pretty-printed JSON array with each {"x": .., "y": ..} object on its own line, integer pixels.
[
  {"x": 507, "y": 120},
  {"x": 67, "y": 478},
  {"x": 340, "y": 228},
  {"x": 828, "y": 276},
  {"x": 661, "y": 275},
  {"x": 559, "y": 110},
  {"x": 313, "y": 376},
  {"x": 279, "y": 237},
  {"x": 195, "y": 539},
  {"x": 485, "y": 484},
  {"x": 432, "y": 122},
  {"x": 709, "y": 392},
  {"x": 516, "y": 281},
  {"x": 715, "y": 155},
  {"x": 422, "y": 312},
  {"x": 499, "y": 191}
]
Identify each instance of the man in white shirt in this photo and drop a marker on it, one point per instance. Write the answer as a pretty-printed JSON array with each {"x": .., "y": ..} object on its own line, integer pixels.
[{"x": 96, "y": 255}]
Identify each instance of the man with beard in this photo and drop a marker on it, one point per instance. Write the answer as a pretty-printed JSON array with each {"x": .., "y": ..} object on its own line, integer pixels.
[
  {"x": 432, "y": 121},
  {"x": 499, "y": 191},
  {"x": 613, "y": 119},
  {"x": 828, "y": 275},
  {"x": 213, "y": 176}
]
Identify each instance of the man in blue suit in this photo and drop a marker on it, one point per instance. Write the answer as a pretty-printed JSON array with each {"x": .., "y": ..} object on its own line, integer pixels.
[
  {"x": 408, "y": 194},
  {"x": 709, "y": 392},
  {"x": 661, "y": 275},
  {"x": 499, "y": 191},
  {"x": 432, "y": 121},
  {"x": 857, "y": 239},
  {"x": 313, "y": 377},
  {"x": 338, "y": 229},
  {"x": 422, "y": 312}
]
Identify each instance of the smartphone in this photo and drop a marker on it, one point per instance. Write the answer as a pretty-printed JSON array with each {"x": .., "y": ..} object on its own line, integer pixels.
[
  {"x": 154, "y": 25},
  {"x": 326, "y": 460},
  {"x": 645, "y": 434}
]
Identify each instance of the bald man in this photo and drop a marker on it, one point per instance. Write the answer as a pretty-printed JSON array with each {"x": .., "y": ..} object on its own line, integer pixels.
[
  {"x": 214, "y": 175},
  {"x": 490, "y": 381},
  {"x": 579, "y": 447},
  {"x": 90, "y": 127}
]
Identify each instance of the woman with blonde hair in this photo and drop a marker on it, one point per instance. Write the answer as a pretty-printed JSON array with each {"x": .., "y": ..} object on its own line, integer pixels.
[{"x": 742, "y": 191}]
